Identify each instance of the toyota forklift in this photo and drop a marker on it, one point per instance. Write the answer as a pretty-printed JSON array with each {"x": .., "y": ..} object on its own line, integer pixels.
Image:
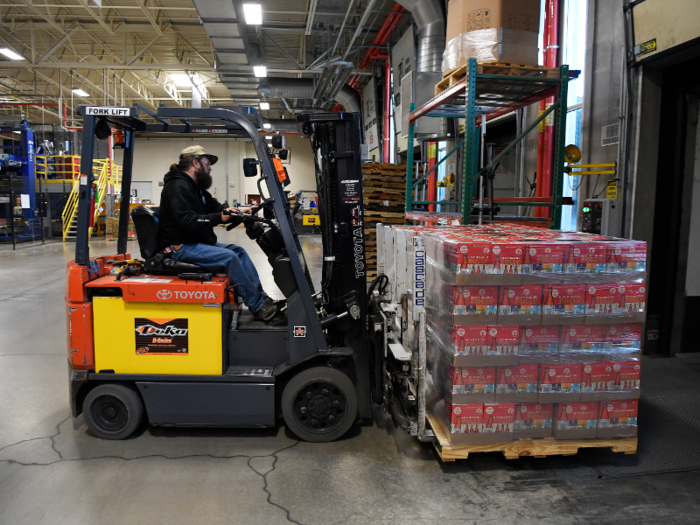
[{"x": 169, "y": 343}]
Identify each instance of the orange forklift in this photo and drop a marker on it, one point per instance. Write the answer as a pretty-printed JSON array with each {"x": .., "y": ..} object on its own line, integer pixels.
[{"x": 170, "y": 343}]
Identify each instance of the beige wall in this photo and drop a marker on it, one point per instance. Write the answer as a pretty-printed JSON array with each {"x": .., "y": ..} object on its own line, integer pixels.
[{"x": 153, "y": 156}]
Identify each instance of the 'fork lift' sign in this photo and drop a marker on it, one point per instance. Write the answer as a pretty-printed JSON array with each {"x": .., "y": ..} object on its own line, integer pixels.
[{"x": 108, "y": 111}]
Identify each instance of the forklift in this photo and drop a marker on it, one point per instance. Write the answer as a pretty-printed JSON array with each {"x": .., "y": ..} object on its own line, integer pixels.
[{"x": 169, "y": 343}]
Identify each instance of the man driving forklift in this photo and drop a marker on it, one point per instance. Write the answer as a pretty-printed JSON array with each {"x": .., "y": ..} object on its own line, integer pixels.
[{"x": 188, "y": 214}]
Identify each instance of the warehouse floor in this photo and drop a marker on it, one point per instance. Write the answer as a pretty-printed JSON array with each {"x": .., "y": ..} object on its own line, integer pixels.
[{"x": 53, "y": 472}]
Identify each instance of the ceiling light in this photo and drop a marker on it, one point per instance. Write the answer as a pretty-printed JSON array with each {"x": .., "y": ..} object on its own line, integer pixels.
[
  {"x": 181, "y": 79},
  {"x": 267, "y": 125},
  {"x": 11, "y": 54},
  {"x": 260, "y": 71},
  {"x": 80, "y": 92},
  {"x": 264, "y": 105},
  {"x": 253, "y": 14}
]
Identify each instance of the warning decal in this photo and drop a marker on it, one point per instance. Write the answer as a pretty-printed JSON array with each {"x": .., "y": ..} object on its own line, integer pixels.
[{"x": 161, "y": 336}]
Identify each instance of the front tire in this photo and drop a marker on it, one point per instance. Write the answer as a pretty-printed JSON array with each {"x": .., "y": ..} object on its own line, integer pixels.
[
  {"x": 113, "y": 411},
  {"x": 319, "y": 404}
]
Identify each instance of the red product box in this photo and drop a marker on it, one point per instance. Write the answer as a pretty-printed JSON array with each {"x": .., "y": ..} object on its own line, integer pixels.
[
  {"x": 498, "y": 418},
  {"x": 468, "y": 257},
  {"x": 595, "y": 377},
  {"x": 578, "y": 418},
  {"x": 533, "y": 416},
  {"x": 471, "y": 340},
  {"x": 587, "y": 257},
  {"x": 546, "y": 257},
  {"x": 614, "y": 414},
  {"x": 508, "y": 258},
  {"x": 517, "y": 379},
  {"x": 625, "y": 375},
  {"x": 474, "y": 300},
  {"x": 467, "y": 419},
  {"x": 602, "y": 299},
  {"x": 474, "y": 380},
  {"x": 620, "y": 336},
  {"x": 630, "y": 297},
  {"x": 520, "y": 300},
  {"x": 564, "y": 299},
  {"x": 582, "y": 338},
  {"x": 503, "y": 340},
  {"x": 539, "y": 339},
  {"x": 628, "y": 256},
  {"x": 555, "y": 378}
]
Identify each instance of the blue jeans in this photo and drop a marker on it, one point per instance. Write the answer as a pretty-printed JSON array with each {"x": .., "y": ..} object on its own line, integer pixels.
[{"x": 239, "y": 268}]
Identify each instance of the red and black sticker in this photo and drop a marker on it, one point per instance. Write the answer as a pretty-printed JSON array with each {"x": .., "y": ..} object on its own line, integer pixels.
[{"x": 161, "y": 336}]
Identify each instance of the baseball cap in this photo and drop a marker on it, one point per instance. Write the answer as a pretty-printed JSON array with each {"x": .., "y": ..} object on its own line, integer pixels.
[{"x": 198, "y": 151}]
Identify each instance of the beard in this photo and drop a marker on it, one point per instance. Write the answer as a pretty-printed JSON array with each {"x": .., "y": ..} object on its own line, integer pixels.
[{"x": 204, "y": 179}]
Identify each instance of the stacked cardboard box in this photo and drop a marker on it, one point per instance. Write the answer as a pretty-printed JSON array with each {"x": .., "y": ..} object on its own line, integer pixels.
[{"x": 543, "y": 321}]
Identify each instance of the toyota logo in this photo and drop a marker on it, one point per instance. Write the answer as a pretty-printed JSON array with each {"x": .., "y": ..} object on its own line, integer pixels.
[{"x": 164, "y": 295}]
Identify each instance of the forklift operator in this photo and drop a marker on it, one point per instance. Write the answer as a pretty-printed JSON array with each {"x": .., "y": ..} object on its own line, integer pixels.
[{"x": 188, "y": 214}]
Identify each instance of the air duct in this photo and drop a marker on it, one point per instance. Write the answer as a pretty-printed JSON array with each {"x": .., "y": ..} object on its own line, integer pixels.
[
  {"x": 429, "y": 18},
  {"x": 303, "y": 88}
]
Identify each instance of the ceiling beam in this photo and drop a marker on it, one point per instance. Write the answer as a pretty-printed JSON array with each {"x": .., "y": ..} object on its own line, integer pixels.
[
  {"x": 143, "y": 50},
  {"x": 85, "y": 4},
  {"x": 143, "y": 5},
  {"x": 58, "y": 44}
]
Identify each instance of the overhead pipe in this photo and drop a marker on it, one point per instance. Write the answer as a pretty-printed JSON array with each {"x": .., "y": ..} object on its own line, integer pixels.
[{"x": 304, "y": 88}]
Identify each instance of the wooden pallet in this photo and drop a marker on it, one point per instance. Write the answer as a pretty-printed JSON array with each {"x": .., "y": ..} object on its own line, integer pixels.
[
  {"x": 516, "y": 449},
  {"x": 511, "y": 70}
]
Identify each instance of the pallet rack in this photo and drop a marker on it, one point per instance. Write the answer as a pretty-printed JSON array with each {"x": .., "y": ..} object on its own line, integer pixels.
[{"x": 479, "y": 91}]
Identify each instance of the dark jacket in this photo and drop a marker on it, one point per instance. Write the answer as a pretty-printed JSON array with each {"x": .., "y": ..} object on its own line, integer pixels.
[{"x": 188, "y": 213}]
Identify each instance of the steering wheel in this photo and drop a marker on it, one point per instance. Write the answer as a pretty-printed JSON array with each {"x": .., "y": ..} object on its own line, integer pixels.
[{"x": 246, "y": 218}]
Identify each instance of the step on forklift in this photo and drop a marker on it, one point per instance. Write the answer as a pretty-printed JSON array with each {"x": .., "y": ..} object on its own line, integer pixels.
[{"x": 171, "y": 344}]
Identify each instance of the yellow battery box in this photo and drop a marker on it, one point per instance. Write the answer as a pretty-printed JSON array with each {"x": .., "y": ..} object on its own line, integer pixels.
[{"x": 157, "y": 338}]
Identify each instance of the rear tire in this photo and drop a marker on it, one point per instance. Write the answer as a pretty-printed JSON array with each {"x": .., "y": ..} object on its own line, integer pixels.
[
  {"x": 319, "y": 404},
  {"x": 113, "y": 411}
]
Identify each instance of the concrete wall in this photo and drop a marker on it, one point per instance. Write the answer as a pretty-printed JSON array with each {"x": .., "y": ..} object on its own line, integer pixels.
[{"x": 153, "y": 156}]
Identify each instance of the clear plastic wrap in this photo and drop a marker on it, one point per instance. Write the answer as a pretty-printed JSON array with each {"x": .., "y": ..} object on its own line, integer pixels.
[
  {"x": 491, "y": 45},
  {"x": 547, "y": 321}
]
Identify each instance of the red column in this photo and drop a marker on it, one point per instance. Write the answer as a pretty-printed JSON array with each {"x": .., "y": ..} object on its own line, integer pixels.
[
  {"x": 432, "y": 178},
  {"x": 551, "y": 59}
]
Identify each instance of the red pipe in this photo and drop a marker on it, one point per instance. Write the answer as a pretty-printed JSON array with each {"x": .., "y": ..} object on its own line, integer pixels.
[
  {"x": 551, "y": 59},
  {"x": 432, "y": 178},
  {"x": 539, "y": 188},
  {"x": 387, "y": 111}
]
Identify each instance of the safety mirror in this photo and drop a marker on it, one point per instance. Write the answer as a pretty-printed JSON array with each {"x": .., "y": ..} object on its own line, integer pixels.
[
  {"x": 277, "y": 141},
  {"x": 250, "y": 167}
]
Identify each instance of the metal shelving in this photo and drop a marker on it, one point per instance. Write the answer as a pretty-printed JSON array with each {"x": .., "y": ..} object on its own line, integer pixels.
[{"x": 481, "y": 95}]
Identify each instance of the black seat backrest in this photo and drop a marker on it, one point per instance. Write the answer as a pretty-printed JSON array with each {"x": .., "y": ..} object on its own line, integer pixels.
[{"x": 146, "y": 224}]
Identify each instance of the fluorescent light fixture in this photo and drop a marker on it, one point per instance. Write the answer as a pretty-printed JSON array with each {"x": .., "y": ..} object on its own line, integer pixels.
[
  {"x": 260, "y": 71},
  {"x": 253, "y": 14},
  {"x": 11, "y": 54},
  {"x": 267, "y": 125},
  {"x": 80, "y": 92},
  {"x": 181, "y": 79},
  {"x": 264, "y": 105},
  {"x": 18, "y": 132}
]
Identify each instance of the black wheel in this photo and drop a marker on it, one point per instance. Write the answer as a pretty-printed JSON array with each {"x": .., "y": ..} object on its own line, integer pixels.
[
  {"x": 113, "y": 411},
  {"x": 319, "y": 404}
]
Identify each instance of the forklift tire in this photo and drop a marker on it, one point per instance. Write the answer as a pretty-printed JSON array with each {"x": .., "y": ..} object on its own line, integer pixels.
[
  {"x": 113, "y": 411},
  {"x": 319, "y": 404}
]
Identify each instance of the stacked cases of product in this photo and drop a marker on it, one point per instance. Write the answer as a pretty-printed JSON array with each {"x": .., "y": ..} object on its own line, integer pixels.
[{"x": 533, "y": 333}]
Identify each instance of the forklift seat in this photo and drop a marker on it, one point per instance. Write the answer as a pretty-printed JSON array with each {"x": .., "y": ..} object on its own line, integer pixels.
[{"x": 146, "y": 224}]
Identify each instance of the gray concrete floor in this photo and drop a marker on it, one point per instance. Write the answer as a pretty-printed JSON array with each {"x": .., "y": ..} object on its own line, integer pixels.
[{"x": 53, "y": 472}]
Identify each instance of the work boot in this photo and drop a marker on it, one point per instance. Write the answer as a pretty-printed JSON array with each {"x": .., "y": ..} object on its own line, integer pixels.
[{"x": 267, "y": 311}]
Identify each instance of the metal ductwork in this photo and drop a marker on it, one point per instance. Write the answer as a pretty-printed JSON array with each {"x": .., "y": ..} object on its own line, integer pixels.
[
  {"x": 287, "y": 125},
  {"x": 429, "y": 17},
  {"x": 303, "y": 88}
]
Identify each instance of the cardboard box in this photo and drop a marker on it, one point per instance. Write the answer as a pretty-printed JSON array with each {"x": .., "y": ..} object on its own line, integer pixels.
[
  {"x": 533, "y": 420},
  {"x": 602, "y": 299},
  {"x": 564, "y": 302},
  {"x": 503, "y": 340},
  {"x": 576, "y": 420},
  {"x": 623, "y": 338},
  {"x": 618, "y": 418},
  {"x": 559, "y": 382},
  {"x": 471, "y": 340},
  {"x": 627, "y": 257},
  {"x": 546, "y": 258},
  {"x": 467, "y": 423},
  {"x": 630, "y": 297},
  {"x": 625, "y": 376},
  {"x": 589, "y": 257},
  {"x": 474, "y": 15},
  {"x": 524, "y": 303},
  {"x": 595, "y": 378},
  {"x": 516, "y": 384},
  {"x": 498, "y": 421},
  {"x": 474, "y": 384},
  {"x": 474, "y": 300},
  {"x": 582, "y": 338},
  {"x": 538, "y": 340},
  {"x": 508, "y": 258}
]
